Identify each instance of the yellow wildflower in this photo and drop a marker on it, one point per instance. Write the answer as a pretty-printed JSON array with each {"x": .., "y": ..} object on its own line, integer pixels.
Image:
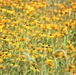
[
  {"x": 50, "y": 62},
  {"x": 1, "y": 60},
  {"x": 1, "y": 28},
  {"x": 2, "y": 67},
  {"x": 11, "y": 65}
]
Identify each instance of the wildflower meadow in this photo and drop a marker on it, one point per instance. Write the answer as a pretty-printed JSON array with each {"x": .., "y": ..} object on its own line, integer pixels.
[{"x": 37, "y": 37}]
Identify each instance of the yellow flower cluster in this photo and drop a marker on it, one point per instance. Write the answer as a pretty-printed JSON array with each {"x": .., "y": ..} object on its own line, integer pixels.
[{"x": 37, "y": 37}]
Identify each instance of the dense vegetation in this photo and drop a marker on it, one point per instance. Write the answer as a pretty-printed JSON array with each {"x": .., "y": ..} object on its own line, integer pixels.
[{"x": 37, "y": 37}]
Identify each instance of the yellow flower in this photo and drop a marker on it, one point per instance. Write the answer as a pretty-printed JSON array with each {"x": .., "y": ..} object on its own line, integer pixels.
[
  {"x": 71, "y": 47},
  {"x": 1, "y": 60},
  {"x": 33, "y": 69},
  {"x": 3, "y": 10},
  {"x": 72, "y": 67},
  {"x": 11, "y": 12},
  {"x": 7, "y": 39},
  {"x": 59, "y": 54},
  {"x": 9, "y": 55},
  {"x": 50, "y": 62},
  {"x": 11, "y": 65},
  {"x": 2, "y": 67},
  {"x": 1, "y": 28},
  {"x": 48, "y": 26}
]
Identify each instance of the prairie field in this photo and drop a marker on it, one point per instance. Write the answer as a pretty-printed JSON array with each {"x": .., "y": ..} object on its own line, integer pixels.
[{"x": 37, "y": 37}]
